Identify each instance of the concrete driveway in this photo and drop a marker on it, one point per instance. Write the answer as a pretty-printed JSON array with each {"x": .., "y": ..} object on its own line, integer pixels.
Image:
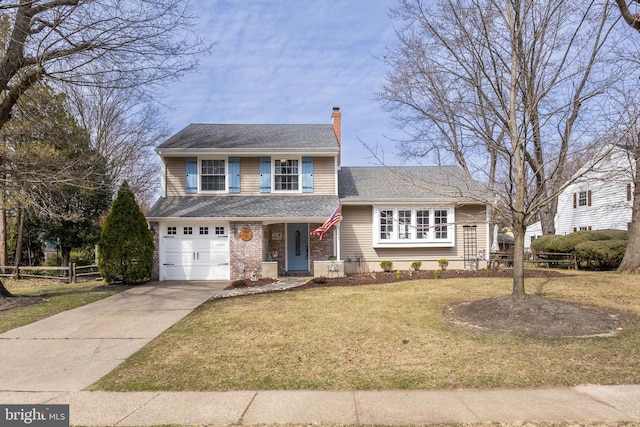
[{"x": 73, "y": 349}]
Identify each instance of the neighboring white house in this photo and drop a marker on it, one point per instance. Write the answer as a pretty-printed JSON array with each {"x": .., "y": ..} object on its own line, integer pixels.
[{"x": 601, "y": 198}]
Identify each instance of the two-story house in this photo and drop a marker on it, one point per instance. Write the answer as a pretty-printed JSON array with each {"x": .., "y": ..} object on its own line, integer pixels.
[
  {"x": 599, "y": 196},
  {"x": 243, "y": 200}
]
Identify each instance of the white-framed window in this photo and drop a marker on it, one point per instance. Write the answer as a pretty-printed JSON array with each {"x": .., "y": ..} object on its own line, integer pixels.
[
  {"x": 422, "y": 224},
  {"x": 204, "y": 231},
  {"x": 404, "y": 224},
  {"x": 420, "y": 227},
  {"x": 220, "y": 231},
  {"x": 213, "y": 175},
  {"x": 286, "y": 175},
  {"x": 440, "y": 223},
  {"x": 582, "y": 198},
  {"x": 386, "y": 224},
  {"x": 172, "y": 231},
  {"x": 187, "y": 231}
]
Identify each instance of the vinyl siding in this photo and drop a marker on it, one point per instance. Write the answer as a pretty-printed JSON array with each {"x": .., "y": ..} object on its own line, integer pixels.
[
  {"x": 324, "y": 177},
  {"x": 176, "y": 176},
  {"x": 356, "y": 236},
  {"x": 609, "y": 207}
]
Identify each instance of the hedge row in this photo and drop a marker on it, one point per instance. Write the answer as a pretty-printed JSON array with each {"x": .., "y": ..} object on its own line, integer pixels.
[{"x": 601, "y": 249}]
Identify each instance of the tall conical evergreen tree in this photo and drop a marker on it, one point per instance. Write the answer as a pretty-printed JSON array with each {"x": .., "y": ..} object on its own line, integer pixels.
[{"x": 125, "y": 251}]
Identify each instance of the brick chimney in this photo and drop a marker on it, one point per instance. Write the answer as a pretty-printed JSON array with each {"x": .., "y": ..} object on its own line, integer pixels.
[{"x": 335, "y": 121}]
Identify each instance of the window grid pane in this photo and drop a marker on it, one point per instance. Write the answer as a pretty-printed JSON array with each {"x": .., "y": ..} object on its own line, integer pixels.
[
  {"x": 404, "y": 222},
  {"x": 440, "y": 217},
  {"x": 386, "y": 225},
  {"x": 213, "y": 175},
  {"x": 422, "y": 219},
  {"x": 582, "y": 198},
  {"x": 286, "y": 176}
]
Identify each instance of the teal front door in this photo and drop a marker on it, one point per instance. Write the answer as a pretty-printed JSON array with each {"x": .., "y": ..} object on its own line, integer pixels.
[{"x": 297, "y": 247}]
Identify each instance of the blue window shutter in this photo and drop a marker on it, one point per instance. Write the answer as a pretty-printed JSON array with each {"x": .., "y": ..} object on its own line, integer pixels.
[
  {"x": 307, "y": 174},
  {"x": 234, "y": 174},
  {"x": 192, "y": 175},
  {"x": 265, "y": 174}
]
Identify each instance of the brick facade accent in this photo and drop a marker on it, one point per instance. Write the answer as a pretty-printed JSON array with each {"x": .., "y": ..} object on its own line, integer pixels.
[
  {"x": 246, "y": 256},
  {"x": 320, "y": 250},
  {"x": 275, "y": 245}
]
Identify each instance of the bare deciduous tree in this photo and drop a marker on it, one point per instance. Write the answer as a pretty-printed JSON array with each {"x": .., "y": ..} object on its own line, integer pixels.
[
  {"x": 120, "y": 44},
  {"x": 631, "y": 262},
  {"x": 510, "y": 90},
  {"x": 131, "y": 45},
  {"x": 125, "y": 130}
]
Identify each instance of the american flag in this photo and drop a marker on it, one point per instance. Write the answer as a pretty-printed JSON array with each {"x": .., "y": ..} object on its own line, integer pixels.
[{"x": 333, "y": 219}]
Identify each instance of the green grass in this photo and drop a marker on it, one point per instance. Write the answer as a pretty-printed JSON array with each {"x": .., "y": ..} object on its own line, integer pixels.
[
  {"x": 389, "y": 336},
  {"x": 57, "y": 296}
]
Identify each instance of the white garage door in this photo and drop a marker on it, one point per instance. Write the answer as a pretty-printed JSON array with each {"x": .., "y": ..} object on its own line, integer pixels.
[{"x": 195, "y": 252}]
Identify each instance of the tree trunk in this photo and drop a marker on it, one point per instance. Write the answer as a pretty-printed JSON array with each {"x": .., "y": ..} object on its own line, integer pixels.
[
  {"x": 20, "y": 226},
  {"x": 631, "y": 262},
  {"x": 548, "y": 217},
  {"x": 518, "y": 260},
  {"x": 65, "y": 255},
  {"x": 4, "y": 292},
  {"x": 3, "y": 228}
]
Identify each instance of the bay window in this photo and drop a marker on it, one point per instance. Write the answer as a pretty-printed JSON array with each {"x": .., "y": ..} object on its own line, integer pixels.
[{"x": 400, "y": 227}]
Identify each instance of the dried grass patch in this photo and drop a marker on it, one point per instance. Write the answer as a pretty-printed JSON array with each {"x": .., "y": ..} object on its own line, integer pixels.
[{"x": 390, "y": 336}]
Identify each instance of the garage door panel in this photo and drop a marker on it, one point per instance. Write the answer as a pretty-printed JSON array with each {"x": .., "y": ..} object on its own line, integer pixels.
[{"x": 199, "y": 256}]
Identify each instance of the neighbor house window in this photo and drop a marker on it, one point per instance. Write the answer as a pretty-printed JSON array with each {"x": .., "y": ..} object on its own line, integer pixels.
[
  {"x": 286, "y": 175},
  {"x": 413, "y": 227},
  {"x": 582, "y": 198},
  {"x": 213, "y": 175}
]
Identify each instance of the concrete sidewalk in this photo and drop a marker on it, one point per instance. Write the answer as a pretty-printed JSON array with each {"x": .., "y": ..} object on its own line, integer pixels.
[{"x": 577, "y": 404}]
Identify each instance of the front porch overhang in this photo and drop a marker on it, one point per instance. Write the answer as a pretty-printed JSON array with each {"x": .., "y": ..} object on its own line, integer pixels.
[{"x": 267, "y": 209}]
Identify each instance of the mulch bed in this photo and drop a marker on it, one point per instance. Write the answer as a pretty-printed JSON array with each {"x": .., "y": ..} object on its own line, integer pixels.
[
  {"x": 380, "y": 277},
  {"x": 536, "y": 315}
]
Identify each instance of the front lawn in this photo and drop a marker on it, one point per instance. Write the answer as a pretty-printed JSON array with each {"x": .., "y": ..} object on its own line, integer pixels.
[{"x": 386, "y": 336}]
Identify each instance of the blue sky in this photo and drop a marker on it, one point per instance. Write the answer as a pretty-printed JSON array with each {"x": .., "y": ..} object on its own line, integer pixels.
[{"x": 291, "y": 61}]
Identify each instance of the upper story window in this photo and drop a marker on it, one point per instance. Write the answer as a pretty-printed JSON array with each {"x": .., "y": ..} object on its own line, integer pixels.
[
  {"x": 413, "y": 227},
  {"x": 582, "y": 198},
  {"x": 286, "y": 175},
  {"x": 213, "y": 175}
]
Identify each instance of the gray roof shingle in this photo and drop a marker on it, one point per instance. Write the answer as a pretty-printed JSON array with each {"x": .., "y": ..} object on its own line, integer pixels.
[
  {"x": 250, "y": 136},
  {"x": 235, "y": 206},
  {"x": 419, "y": 183}
]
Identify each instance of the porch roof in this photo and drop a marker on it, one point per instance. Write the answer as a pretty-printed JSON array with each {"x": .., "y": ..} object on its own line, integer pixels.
[
  {"x": 230, "y": 207},
  {"x": 416, "y": 184}
]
